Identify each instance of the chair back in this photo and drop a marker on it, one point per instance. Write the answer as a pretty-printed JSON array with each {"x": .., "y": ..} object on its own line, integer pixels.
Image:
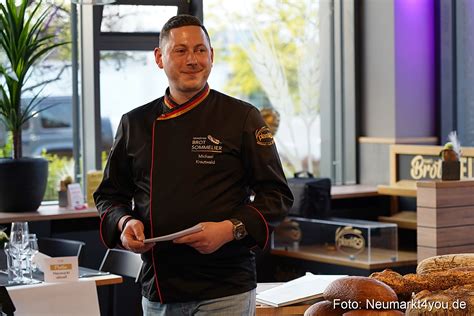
[
  {"x": 57, "y": 247},
  {"x": 122, "y": 262}
]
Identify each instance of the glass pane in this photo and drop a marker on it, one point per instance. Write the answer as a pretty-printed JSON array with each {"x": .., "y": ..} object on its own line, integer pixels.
[
  {"x": 57, "y": 113},
  {"x": 267, "y": 52},
  {"x": 134, "y": 73},
  {"x": 134, "y": 18},
  {"x": 140, "y": 79}
]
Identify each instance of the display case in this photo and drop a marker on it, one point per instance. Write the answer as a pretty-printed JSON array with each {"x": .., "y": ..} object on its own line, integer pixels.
[{"x": 341, "y": 238}]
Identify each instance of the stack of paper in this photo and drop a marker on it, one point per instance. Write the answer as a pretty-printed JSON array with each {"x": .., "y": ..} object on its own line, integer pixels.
[
  {"x": 196, "y": 228},
  {"x": 307, "y": 287}
]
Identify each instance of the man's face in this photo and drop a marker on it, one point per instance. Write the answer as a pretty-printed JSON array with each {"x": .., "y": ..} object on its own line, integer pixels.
[{"x": 186, "y": 57}]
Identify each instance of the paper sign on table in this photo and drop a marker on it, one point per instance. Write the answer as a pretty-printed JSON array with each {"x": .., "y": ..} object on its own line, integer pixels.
[
  {"x": 39, "y": 260},
  {"x": 75, "y": 196},
  {"x": 61, "y": 269}
]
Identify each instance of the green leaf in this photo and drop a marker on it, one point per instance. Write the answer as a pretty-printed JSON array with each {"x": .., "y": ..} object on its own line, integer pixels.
[{"x": 24, "y": 43}]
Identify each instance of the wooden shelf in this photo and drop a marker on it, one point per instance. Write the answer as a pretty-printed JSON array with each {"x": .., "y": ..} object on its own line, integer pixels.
[
  {"x": 353, "y": 191},
  {"x": 401, "y": 188},
  {"x": 44, "y": 213},
  {"x": 323, "y": 255},
  {"x": 404, "y": 219}
]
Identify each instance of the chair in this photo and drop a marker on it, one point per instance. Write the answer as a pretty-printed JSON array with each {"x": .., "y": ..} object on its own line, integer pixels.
[
  {"x": 57, "y": 247},
  {"x": 125, "y": 298},
  {"x": 122, "y": 262}
]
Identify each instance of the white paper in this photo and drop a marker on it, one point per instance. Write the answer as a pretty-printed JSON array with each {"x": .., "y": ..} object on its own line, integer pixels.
[
  {"x": 75, "y": 196},
  {"x": 39, "y": 258},
  {"x": 181, "y": 233},
  {"x": 298, "y": 290},
  {"x": 61, "y": 269},
  {"x": 56, "y": 299}
]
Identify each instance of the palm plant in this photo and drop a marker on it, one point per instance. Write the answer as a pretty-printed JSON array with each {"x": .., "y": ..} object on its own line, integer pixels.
[{"x": 24, "y": 42}]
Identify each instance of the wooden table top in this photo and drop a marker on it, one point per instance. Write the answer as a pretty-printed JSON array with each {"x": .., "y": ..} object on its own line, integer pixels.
[
  {"x": 50, "y": 212},
  {"x": 265, "y": 310},
  {"x": 54, "y": 212},
  {"x": 401, "y": 188},
  {"x": 380, "y": 259},
  {"x": 108, "y": 279},
  {"x": 353, "y": 191}
]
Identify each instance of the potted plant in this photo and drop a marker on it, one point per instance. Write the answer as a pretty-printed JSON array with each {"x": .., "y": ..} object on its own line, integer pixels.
[{"x": 23, "y": 41}]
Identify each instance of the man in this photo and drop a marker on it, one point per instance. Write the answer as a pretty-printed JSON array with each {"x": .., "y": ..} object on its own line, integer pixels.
[{"x": 193, "y": 156}]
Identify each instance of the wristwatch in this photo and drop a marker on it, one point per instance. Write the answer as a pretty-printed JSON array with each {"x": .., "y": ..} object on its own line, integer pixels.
[{"x": 239, "y": 229}]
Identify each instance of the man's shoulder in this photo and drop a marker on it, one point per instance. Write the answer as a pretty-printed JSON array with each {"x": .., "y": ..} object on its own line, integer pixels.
[
  {"x": 150, "y": 109},
  {"x": 227, "y": 100}
]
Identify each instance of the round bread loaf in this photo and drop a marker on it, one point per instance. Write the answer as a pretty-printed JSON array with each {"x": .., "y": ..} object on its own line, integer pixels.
[
  {"x": 373, "y": 312},
  {"x": 359, "y": 290},
  {"x": 463, "y": 269},
  {"x": 323, "y": 308}
]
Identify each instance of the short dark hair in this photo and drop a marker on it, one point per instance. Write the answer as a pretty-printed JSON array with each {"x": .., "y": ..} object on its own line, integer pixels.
[{"x": 179, "y": 21}]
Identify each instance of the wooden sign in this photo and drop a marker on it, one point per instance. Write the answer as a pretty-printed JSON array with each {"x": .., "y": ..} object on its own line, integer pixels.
[{"x": 408, "y": 162}]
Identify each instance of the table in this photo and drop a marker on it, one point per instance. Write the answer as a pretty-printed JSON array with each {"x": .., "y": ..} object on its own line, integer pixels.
[
  {"x": 57, "y": 299},
  {"x": 265, "y": 310},
  {"x": 54, "y": 212},
  {"x": 100, "y": 280}
]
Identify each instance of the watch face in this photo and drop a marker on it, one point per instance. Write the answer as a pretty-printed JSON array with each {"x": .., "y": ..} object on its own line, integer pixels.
[
  {"x": 239, "y": 234},
  {"x": 239, "y": 230}
]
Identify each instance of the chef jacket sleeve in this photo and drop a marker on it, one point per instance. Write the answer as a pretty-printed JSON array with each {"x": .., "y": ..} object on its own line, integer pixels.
[
  {"x": 113, "y": 197},
  {"x": 266, "y": 179}
]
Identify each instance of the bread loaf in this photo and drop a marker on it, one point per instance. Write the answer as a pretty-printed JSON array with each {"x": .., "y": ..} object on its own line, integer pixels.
[
  {"x": 373, "y": 312},
  {"x": 445, "y": 262},
  {"x": 358, "y": 289},
  {"x": 323, "y": 308},
  {"x": 445, "y": 302},
  {"x": 405, "y": 285}
]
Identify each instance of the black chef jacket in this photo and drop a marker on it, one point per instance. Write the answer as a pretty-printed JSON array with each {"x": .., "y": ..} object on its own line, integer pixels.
[{"x": 198, "y": 163}]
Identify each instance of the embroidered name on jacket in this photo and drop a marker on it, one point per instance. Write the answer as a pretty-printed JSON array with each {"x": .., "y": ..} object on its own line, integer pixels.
[{"x": 206, "y": 147}]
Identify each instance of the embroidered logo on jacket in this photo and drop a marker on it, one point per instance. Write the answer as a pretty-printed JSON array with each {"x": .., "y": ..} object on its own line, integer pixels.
[
  {"x": 264, "y": 137},
  {"x": 214, "y": 140}
]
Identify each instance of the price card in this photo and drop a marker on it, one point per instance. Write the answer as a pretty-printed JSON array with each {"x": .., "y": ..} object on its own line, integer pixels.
[
  {"x": 75, "y": 196},
  {"x": 60, "y": 269}
]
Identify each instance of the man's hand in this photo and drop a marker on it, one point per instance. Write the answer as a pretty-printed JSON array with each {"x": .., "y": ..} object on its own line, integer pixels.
[
  {"x": 132, "y": 237},
  {"x": 211, "y": 238}
]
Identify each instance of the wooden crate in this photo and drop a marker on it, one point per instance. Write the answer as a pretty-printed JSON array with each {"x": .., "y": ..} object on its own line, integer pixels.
[
  {"x": 445, "y": 217},
  {"x": 426, "y": 252},
  {"x": 437, "y": 194}
]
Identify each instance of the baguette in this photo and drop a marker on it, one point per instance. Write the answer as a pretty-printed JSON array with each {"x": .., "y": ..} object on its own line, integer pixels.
[
  {"x": 445, "y": 302},
  {"x": 407, "y": 284},
  {"x": 445, "y": 262}
]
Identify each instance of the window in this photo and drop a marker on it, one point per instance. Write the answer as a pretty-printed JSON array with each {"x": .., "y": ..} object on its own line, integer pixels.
[
  {"x": 282, "y": 56},
  {"x": 134, "y": 18},
  {"x": 127, "y": 80},
  {"x": 57, "y": 116},
  {"x": 111, "y": 37},
  {"x": 268, "y": 53}
]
